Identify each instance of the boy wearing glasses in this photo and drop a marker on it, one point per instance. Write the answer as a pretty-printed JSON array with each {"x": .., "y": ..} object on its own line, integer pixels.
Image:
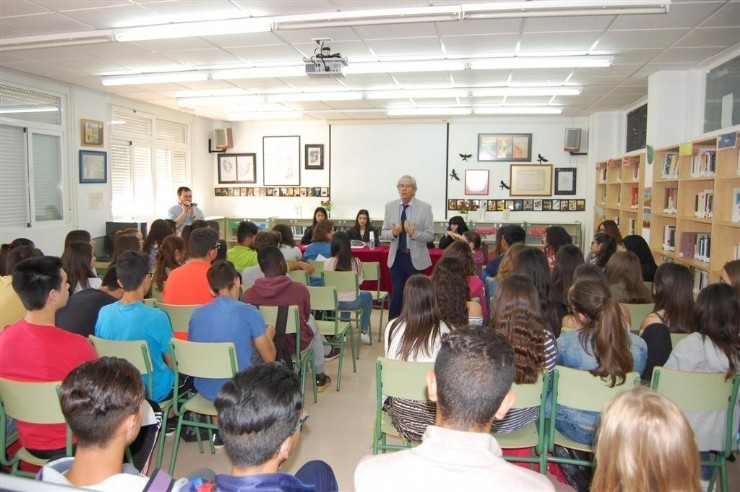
[
  {"x": 259, "y": 420},
  {"x": 188, "y": 284}
]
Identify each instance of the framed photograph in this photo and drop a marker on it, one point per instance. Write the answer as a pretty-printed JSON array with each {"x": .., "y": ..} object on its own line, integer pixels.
[
  {"x": 281, "y": 161},
  {"x": 530, "y": 180},
  {"x": 505, "y": 147},
  {"x": 91, "y": 133},
  {"x": 476, "y": 182},
  {"x": 565, "y": 180},
  {"x": 93, "y": 166},
  {"x": 313, "y": 156},
  {"x": 237, "y": 168}
]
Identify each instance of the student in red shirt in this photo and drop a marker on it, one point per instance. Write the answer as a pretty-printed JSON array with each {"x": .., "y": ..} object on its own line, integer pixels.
[{"x": 34, "y": 349}]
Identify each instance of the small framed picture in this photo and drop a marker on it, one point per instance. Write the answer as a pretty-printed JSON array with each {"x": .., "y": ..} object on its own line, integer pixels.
[
  {"x": 565, "y": 181},
  {"x": 237, "y": 168},
  {"x": 93, "y": 166},
  {"x": 476, "y": 181},
  {"x": 91, "y": 133},
  {"x": 314, "y": 156}
]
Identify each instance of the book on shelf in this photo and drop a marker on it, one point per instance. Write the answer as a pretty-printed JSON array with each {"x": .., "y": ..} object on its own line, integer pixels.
[
  {"x": 670, "y": 202},
  {"x": 670, "y": 166},
  {"x": 669, "y": 238},
  {"x": 632, "y": 225},
  {"x": 704, "y": 204},
  {"x": 602, "y": 174},
  {"x": 634, "y": 196},
  {"x": 688, "y": 244},
  {"x": 736, "y": 205},
  {"x": 636, "y": 171},
  {"x": 704, "y": 162},
  {"x": 701, "y": 280},
  {"x": 736, "y": 252},
  {"x": 702, "y": 249}
]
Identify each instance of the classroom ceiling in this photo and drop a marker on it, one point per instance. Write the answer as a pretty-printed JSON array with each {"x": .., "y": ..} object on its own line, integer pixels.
[{"x": 77, "y": 41}]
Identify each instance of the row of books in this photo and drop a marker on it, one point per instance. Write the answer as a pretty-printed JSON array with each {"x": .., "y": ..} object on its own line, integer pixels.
[
  {"x": 634, "y": 196},
  {"x": 701, "y": 280},
  {"x": 704, "y": 163},
  {"x": 669, "y": 238},
  {"x": 670, "y": 166},
  {"x": 635, "y": 169},
  {"x": 696, "y": 246},
  {"x": 704, "y": 204},
  {"x": 670, "y": 201},
  {"x": 632, "y": 226}
]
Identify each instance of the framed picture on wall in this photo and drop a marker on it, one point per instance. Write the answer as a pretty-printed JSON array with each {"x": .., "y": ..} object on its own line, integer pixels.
[
  {"x": 237, "y": 168},
  {"x": 530, "y": 180},
  {"x": 565, "y": 180},
  {"x": 313, "y": 156},
  {"x": 91, "y": 133},
  {"x": 476, "y": 182},
  {"x": 93, "y": 166},
  {"x": 281, "y": 161},
  {"x": 505, "y": 147}
]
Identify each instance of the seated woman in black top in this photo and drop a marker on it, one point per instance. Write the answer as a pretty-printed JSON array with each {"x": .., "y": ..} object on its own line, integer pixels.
[
  {"x": 362, "y": 228},
  {"x": 319, "y": 215},
  {"x": 455, "y": 230}
]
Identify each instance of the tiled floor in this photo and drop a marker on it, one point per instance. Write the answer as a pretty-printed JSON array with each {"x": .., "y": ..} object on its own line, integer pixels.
[{"x": 339, "y": 430}]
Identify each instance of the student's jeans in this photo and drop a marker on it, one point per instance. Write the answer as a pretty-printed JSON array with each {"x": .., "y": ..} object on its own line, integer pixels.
[
  {"x": 578, "y": 425},
  {"x": 363, "y": 301}
]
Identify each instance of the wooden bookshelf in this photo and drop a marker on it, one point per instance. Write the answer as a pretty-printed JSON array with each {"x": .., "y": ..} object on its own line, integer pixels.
[
  {"x": 620, "y": 186},
  {"x": 705, "y": 179}
]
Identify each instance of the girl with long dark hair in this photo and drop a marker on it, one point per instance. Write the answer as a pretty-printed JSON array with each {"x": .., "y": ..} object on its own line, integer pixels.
[
  {"x": 456, "y": 227},
  {"x": 159, "y": 230},
  {"x": 170, "y": 255},
  {"x": 532, "y": 263},
  {"x": 362, "y": 228},
  {"x": 415, "y": 336},
  {"x": 453, "y": 297},
  {"x": 476, "y": 289},
  {"x": 624, "y": 275},
  {"x": 78, "y": 260},
  {"x": 319, "y": 215}
]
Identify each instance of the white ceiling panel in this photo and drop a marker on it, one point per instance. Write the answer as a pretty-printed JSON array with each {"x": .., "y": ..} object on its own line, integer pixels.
[
  {"x": 396, "y": 31},
  {"x": 728, "y": 15},
  {"x": 656, "y": 38},
  {"x": 559, "y": 41},
  {"x": 693, "y": 55},
  {"x": 405, "y": 47},
  {"x": 49, "y": 54},
  {"x": 480, "y": 78},
  {"x": 267, "y": 53},
  {"x": 424, "y": 79},
  {"x": 634, "y": 56},
  {"x": 472, "y": 27},
  {"x": 10, "y": 9},
  {"x": 711, "y": 36},
  {"x": 121, "y": 15},
  {"x": 480, "y": 44},
  {"x": 568, "y": 24},
  {"x": 532, "y": 75},
  {"x": 195, "y": 10},
  {"x": 73, "y": 5},
  {"x": 169, "y": 45},
  {"x": 49, "y": 23},
  {"x": 248, "y": 39},
  {"x": 203, "y": 58},
  {"x": 89, "y": 65},
  {"x": 338, "y": 34}
]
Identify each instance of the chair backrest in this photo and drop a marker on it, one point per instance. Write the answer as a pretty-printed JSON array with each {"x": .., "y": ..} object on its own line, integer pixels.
[
  {"x": 638, "y": 312},
  {"x": 695, "y": 391},
  {"x": 677, "y": 337},
  {"x": 402, "y": 379},
  {"x": 300, "y": 276},
  {"x": 323, "y": 298},
  {"x": 134, "y": 351},
  {"x": 530, "y": 395},
  {"x": 294, "y": 320},
  {"x": 215, "y": 360},
  {"x": 581, "y": 390},
  {"x": 33, "y": 402},
  {"x": 371, "y": 271},
  {"x": 179, "y": 315},
  {"x": 343, "y": 281},
  {"x": 318, "y": 267},
  {"x": 155, "y": 292}
]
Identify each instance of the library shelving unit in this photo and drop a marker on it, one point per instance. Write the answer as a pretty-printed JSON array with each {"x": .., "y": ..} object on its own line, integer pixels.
[
  {"x": 695, "y": 210},
  {"x": 620, "y": 185}
]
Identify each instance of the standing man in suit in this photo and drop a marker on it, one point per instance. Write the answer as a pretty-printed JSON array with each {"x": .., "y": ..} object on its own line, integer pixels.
[{"x": 409, "y": 225}]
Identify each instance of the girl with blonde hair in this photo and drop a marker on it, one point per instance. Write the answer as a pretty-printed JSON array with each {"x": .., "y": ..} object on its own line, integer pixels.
[{"x": 656, "y": 451}]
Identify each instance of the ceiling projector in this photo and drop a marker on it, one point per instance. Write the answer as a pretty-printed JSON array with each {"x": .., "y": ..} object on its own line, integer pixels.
[{"x": 318, "y": 66}]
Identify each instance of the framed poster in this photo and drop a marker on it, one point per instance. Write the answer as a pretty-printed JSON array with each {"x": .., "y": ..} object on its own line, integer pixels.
[
  {"x": 565, "y": 180},
  {"x": 93, "y": 166},
  {"x": 91, "y": 133},
  {"x": 476, "y": 182},
  {"x": 237, "y": 168},
  {"x": 313, "y": 156},
  {"x": 505, "y": 147},
  {"x": 530, "y": 180},
  {"x": 281, "y": 161}
]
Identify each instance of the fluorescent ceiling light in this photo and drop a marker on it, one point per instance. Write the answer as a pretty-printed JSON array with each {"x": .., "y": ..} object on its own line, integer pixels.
[
  {"x": 213, "y": 100},
  {"x": 428, "y": 111},
  {"x": 264, "y": 115},
  {"x": 554, "y": 8},
  {"x": 193, "y": 29},
  {"x": 154, "y": 78},
  {"x": 526, "y": 91},
  {"x": 315, "y": 96},
  {"x": 40, "y": 109},
  {"x": 539, "y": 62},
  {"x": 56, "y": 40},
  {"x": 518, "y": 110}
]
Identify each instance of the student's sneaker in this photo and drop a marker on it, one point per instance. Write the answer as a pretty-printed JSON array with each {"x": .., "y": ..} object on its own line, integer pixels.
[
  {"x": 218, "y": 443},
  {"x": 322, "y": 382},
  {"x": 334, "y": 354},
  {"x": 365, "y": 339},
  {"x": 171, "y": 427}
]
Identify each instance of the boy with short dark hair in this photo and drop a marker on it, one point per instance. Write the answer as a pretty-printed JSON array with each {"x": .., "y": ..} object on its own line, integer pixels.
[{"x": 243, "y": 255}]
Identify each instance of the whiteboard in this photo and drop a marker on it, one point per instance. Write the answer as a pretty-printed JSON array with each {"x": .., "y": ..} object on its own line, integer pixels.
[{"x": 368, "y": 159}]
